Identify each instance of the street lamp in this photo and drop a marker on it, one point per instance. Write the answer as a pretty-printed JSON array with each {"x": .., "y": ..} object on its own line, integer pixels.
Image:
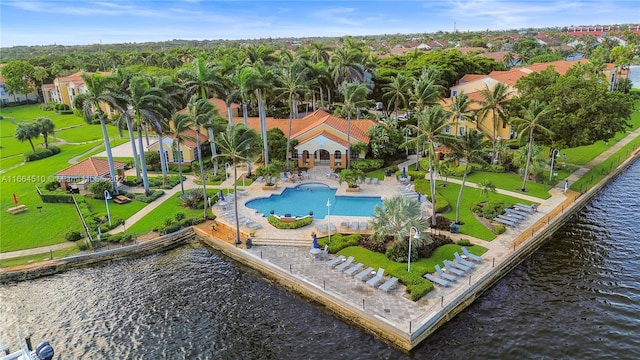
[
  {"x": 107, "y": 197},
  {"x": 554, "y": 154},
  {"x": 417, "y": 237},
  {"x": 329, "y": 218}
]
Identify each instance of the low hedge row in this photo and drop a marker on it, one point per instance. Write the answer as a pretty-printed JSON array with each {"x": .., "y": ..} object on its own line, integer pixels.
[
  {"x": 340, "y": 241},
  {"x": 275, "y": 222},
  {"x": 148, "y": 199},
  {"x": 367, "y": 165},
  {"x": 172, "y": 225},
  {"x": 41, "y": 153}
]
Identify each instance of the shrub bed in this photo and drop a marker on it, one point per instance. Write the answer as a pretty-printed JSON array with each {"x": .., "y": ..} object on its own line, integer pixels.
[
  {"x": 148, "y": 199},
  {"x": 41, "y": 153},
  {"x": 340, "y": 241},
  {"x": 367, "y": 165},
  {"x": 489, "y": 210},
  {"x": 275, "y": 222}
]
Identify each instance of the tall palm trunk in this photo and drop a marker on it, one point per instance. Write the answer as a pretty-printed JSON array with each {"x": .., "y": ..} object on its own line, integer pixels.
[
  {"x": 432, "y": 186},
  {"x": 132, "y": 139},
  {"x": 235, "y": 201},
  {"x": 526, "y": 167},
  {"x": 495, "y": 140},
  {"x": 180, "y": 166},
  {"x": 263, "y": 127},
  {"x": 246, "y": 125},
  {"x": 204, "y": 181},
  {"x": 107, "y": 144},
  {"x": 349, "y": 140},
  {"x": 464, "y": 179},
  {"x": 288, "y": 155},
  {"x": 143, "y": 163},
  {"x": 212, "y": 142},
  {"x": 163, "y": 160}
]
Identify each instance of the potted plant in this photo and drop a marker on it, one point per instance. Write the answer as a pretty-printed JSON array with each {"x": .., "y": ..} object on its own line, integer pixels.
[
  {"x": 269, "y": 172},
  {"x": 351, "y": 177}
]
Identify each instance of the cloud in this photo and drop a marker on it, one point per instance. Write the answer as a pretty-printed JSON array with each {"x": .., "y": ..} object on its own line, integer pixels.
[{"x": 337, "y": 15}]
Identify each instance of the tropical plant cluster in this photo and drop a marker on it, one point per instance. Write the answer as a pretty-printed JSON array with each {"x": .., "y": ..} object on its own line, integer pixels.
[{"x": 298, "y": 223}]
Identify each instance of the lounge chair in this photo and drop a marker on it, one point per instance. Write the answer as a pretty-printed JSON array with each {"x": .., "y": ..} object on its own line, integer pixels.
[
  {"x": 321, "y": 229},
  {"x": 516, "y": 214},
  {"x": 375, "y": 181},
  {"x": 505, "y": 222},
  {"x": 524, "y": 207},
  {"x": 325, "y": 252},
  {"x": 388, "y": 284},
  {"x": 260, "y": 179},
  {"x": 377, "y": 278},
  {"x": 335, "y": 261},
  {"x": 367, "y": 180},
  {"x": 364, "y": 273},
  {"x": 471, "y": 256},
  {"x": 344, "y": 265},
  {"x": 354, "y": 226},
  {"x": 449, "y": 268},
  {"x": 437, "y": 280},
  {"x": 463, "y": 261},
  {"x": 344, "y": 226},
  {"x": 332, "y": 228},
  {"x": 283, "y": 177},
  {"x": 444, "y": 275},
  {"x": 451, "y": 264},
  {"x": 363, "y": 226},
  {"x": 352, "y": 270}
]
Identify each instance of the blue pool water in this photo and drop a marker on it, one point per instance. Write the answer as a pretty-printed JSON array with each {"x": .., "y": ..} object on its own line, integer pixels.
[{"x": 298, "y": 201}]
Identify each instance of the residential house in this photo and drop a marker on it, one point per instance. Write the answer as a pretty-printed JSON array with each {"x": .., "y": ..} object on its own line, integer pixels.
[
  {"x": 187, "y": 153},
  {"x": 66, "y": 88},
  {"x": 8, "y": 97},
  {"x": 87, "y": 171}
]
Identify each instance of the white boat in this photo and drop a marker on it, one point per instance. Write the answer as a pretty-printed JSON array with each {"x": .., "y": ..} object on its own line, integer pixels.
[{"x": 44, "y": 351}]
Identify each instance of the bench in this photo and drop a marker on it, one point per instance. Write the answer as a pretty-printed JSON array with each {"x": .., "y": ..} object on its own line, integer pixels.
[
  {"x": 121, "y": 199},
  {"x": 17, "y": 209}
]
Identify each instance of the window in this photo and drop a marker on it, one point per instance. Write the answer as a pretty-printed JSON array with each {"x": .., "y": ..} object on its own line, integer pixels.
[
  {"x": 462, "y": 130},
  {"x": 447, "y": 129},
  {"x": 454, "y": 93}
]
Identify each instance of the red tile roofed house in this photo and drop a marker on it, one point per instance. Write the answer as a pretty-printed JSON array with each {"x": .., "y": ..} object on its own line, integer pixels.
[
  {"x": 7, "y": 97},
  {"x": 322, "y": 137},
  {"x": 86, "y": 171},
  {"x": 188, "y": 147},
  {"x": 66, "y": 88},
  {"x": 472, "y": 85}
]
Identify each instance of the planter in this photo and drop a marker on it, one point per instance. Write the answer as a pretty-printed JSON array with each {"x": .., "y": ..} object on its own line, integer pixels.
[
  {"x": 269, "y": 187},
  {"x": 355, "y": 189}
]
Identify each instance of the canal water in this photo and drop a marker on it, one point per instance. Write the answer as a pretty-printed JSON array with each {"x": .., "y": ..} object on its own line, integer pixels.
[{"x": 577, "y": 297}]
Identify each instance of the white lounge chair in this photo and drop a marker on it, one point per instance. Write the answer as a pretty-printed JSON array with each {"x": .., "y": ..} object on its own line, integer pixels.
[
  {"x": 352, "y": 270},
  {"x": 463, "y": 261},
  {"x": 344, "y": 265},
  {"x": 364, "y": 273},
  {"x": 471, "y": 256},
  {"x": 388, "y": 284},
  {"x": 437, "y": 280},
  {"x": 375, "y": 181},
  {"x": 363, "y": 226},
  {"x": 332, "y": 228},
  {"x": 335, "y": 261},
  {"x": 377, "y": 278},
  {"x": 367, "y": 180},
  {"x": 444, "y": 275}
]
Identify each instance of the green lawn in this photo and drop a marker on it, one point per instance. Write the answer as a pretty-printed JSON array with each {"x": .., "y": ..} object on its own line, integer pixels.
[
  {"x": 86, "y": 132},
  {"x": 32, "y": 228},
  {"x": 165, "y": 211},
  {"x": 510, "y": 182},
  {"x": 11, "y": 161},
  {"x": 418, "y": 268},
  {"x": 117, "y": 211},
  {"x": 58, "y": 254}
]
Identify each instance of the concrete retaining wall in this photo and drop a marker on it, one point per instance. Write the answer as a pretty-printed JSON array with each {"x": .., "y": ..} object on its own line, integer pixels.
[{"x": 51, "y": 267}]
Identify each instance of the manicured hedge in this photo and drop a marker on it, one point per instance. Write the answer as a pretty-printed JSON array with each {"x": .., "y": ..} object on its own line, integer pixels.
[
  {"x": 289, "y": 225},
  {"x": 148, "y": 199},
  {"x": 57, "y": 198},
  {"x": 41, "y": 153},
  {"x": 367, "y": 165},
  {"x": 340, "y": 241}
]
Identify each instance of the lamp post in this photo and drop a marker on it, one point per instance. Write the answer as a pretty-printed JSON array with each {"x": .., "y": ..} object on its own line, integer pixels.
[
  {"x": 554, "y": 154},
  {"x": 226, "y": 173},
  {"x": 107, "y": 197},
  {"x": 417, "y": 237},
  {"x": 329, "y": 219}
]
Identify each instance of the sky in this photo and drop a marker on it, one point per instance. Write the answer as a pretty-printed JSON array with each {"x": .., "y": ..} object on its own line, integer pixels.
[{"x": 81, "y": 22}]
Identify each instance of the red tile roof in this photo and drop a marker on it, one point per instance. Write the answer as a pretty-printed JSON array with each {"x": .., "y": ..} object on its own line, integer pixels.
[{"x": 91, "y": 167}]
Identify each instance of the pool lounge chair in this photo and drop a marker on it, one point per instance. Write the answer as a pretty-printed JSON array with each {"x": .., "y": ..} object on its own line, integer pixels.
[
  {"x": 437, "y": 280},
  {"x": 444, "y": 275},
  {"x": 354, "y": 227},
  {"x": 463, "y": 261},
  {"x": 449, "y": 268},
  {"x": 335, "y": 261},
  {"x": 452, "y": 264},
  {"x": 363, "y": 226},
  {"x": 332, "y": 228},
  {"x": 352, "y": 270},
  {"x": 377, "y": 278},
  {"x": 321, "y": 229},
  {"x": 367, "y": 180},
  {"x": 471, "y": 256},
  {"x": 388, "y": 284},
  {"x": 505, "y": 222},
  {"x": 344, "y": 265},
  {"x": 375, "y": 181},
  {"x": 364, "y": 273}
]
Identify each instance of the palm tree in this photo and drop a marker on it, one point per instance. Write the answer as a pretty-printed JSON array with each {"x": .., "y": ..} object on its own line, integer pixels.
[
  {"x": 470, "y": 148},
  {"x": 355, "y": 97},
  {"x": 530, "y": 120},
  {"x": 460, "y": 109},
  {"x": 486, "y": 187},
  {"x": 27, "y": 132},
  {"x": 292, "y": 81},
  {"x": 429, "y": 131},
  {"x": 426, "y": 89},
  {"x": 235, "y": 144},
  {"x": 181, "y": 123},
  {"x": 397, "y": 92},
  {"x": 494, "y": 102},
  {"x": 45, "y": 128},
  {"x": 395, "y": 218},
  {"x": 347, "y": 65},
  {"x": 98, "y": 93},
  {"x": 199, "y": 111},
  {"x": 146, "y": 104},
  {"x": 537, "y": 162}
]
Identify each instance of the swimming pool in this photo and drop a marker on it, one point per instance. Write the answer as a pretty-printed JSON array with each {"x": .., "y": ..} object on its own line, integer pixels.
[{"x": 298, "y": 201}]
